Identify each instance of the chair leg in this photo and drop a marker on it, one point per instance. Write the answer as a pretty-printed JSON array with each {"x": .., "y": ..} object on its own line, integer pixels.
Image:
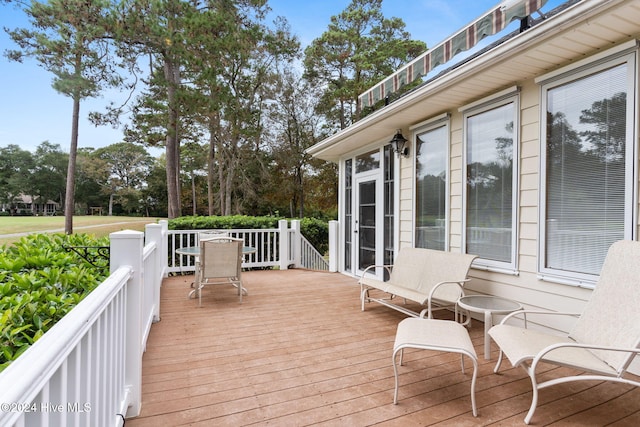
[
  {"x": 473, "y": 386},
  {"x": 364, "y": 296},
  {"x": 395, "y": 374},
  {"x": 534, "y": 399},
  {"x": 498, "y": 363}
]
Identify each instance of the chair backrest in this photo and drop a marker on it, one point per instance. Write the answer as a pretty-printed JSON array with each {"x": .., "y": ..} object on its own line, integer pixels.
[
  {"x": 221, "y": 257},
  {"x": 422, "y": 269},
  {"x": 210, "y": 234},
  {"x": 612, "y": 314}
]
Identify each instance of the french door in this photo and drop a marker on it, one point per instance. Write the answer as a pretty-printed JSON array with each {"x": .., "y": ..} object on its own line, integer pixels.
[{"x": 368, "y": 220}]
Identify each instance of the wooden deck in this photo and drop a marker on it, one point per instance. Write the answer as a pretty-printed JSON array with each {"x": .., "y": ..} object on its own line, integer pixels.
[{"x": 299, "y": 351}]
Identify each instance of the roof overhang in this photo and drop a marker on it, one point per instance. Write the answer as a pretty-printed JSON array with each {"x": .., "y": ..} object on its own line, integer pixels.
[{"x": 569, "y": 36}]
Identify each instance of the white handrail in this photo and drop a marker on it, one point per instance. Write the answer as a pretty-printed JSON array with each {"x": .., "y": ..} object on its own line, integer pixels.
[
  {"x": 87, "y": 369},
  {"x": 23, "y": 381}
]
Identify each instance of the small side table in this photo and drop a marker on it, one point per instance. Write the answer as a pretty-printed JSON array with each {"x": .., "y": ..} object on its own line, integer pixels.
[{"x": 488, "y": 305}]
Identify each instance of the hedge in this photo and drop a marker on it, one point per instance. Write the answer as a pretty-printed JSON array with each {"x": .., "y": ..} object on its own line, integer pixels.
[{"x": 40, "y": 282}]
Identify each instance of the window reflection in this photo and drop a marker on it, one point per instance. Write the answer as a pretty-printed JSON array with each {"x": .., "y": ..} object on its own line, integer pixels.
[
  {"x": 490, "y": 183},
  {"x": 431, "y": 188},
  {"x": 368, "y": 161}
]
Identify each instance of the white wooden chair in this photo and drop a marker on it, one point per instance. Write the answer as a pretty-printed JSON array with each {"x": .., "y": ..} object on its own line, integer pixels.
[
  {"x": 220, "y": 263},
  {"x": 604, "y": 340}
]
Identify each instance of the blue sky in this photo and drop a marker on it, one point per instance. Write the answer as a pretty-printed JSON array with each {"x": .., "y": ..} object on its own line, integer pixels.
[{"x": 31, "y": 111}]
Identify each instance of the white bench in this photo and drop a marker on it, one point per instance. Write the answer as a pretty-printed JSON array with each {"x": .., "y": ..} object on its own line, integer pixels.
[{"x": 431, "y": 278}]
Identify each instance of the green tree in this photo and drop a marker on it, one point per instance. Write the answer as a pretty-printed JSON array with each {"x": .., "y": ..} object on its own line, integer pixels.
[
  {"x": 92, "y": 176},
  {"x": 293, "y": 127},
  {"x": 47, "y": 180},
  {"x": 359, "y": 48},
  {"x": 229, "y": 89},
  {"x": 16, "y": 166},
  {"x": 154, "y": 194},
  {"x": 159, "y": 29},
  {"x": 128, "y": 166},
  {"x": 194, "y": 160},
  {"x": 67, "y": 38}
]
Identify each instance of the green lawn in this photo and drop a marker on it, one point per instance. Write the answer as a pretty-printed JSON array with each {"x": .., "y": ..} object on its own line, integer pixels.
[{"x": 100, "y": 225}]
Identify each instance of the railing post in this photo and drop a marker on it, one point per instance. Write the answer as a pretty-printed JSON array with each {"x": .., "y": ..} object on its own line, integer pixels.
[
  {"x": 296, "y": 247},
  {"x": 333, "y": 246},
  {"x": 126, "y": 250},
  {"x": 283, "y": 228},
  {"x": 164, "y": 249},
  {"x": 153, "y": 233}
]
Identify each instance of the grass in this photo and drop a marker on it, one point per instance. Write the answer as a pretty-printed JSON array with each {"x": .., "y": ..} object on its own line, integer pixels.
[{"x": 97, "y": 225}]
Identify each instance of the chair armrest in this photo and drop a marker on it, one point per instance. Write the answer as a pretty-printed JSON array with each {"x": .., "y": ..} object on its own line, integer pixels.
[
  {"x": 385, "y": 266},
  {"x": 539, "y": 357},
  {"x": 460, "y": 284},
  {"x": 525, "y": 312}
]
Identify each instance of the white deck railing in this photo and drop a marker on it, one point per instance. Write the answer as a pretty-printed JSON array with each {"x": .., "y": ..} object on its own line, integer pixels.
[
  {"x": 275, "y": 247},
  {"x": 87, "y": 369}
]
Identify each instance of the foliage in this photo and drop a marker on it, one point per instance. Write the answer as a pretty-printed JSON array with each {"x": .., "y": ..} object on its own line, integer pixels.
[
  {"x": 40, "y": 282},
  {"x": 223, "y": 222},
  {"x": 359, "y": 48},
  {"x": 315, "y": 230},
  {"x": 67, "y": 38}
]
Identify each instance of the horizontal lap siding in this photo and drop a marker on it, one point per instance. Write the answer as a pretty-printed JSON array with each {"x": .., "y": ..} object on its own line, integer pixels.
[{"x": 523, "y": 286}]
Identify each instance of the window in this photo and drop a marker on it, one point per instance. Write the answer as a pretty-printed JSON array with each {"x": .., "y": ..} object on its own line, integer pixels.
[
  {"x": 587, "y": 183},
  {"x": 431, "y": 188},
  {"x": 491, "y": 187}
]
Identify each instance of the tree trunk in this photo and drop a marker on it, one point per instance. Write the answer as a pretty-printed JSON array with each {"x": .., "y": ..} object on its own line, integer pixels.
[
  {"x": 69, "y": 203},
  {"x": 172, "y": 75},
  {"x": 229, "y": 187},
  {"x": 211, "y": 157},
  {"x": 111, "y": 203},
  {"x": 193, "y": 193}
]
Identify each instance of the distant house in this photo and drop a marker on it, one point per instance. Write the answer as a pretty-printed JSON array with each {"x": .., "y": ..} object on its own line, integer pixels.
[
  {"x": 25, "y": 205},
  {"x": 524, "y": 154}
]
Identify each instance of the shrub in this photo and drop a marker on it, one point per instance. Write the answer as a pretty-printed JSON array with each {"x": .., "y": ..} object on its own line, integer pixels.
[
  {"x": 317, "y": 233},
  {"x": 40, "y": 282},
  {"x": 223, "y": 222}
]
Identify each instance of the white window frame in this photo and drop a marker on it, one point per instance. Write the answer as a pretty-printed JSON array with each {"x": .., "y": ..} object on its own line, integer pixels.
[
  {"x": 624, "y": 54},
  {"x": 508, "y": 96},
  {"x": 418, "y": 129}
]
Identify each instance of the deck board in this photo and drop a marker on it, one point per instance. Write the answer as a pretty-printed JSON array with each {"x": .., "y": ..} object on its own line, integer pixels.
[{"x": 299, "y": 351}]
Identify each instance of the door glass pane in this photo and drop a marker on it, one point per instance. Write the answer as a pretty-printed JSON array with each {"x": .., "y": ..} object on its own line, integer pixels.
[
  {"x": 431, "y": 188},
  {"x": 389, "y": 207},
  {"x": 368, "y": 161},
  {"x": 490, "y": 183},
  {"x": 586, "y": 140},
  {"x": 367, "y": 224},
  {"x": 348, "y": 215}
]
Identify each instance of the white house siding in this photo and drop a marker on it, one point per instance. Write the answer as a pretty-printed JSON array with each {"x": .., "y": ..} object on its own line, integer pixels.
[
  {"x": 524, "y": 286},
  {"x": 585, "y": 31}
]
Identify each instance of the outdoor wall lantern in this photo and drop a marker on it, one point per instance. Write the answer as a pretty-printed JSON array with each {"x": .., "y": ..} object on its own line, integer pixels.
[{"x": 398, "y": 143}]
